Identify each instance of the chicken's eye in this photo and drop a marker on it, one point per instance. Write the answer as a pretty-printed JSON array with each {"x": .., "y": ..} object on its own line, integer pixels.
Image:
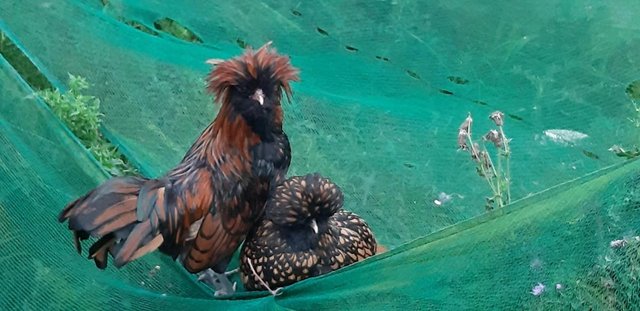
[{"x": 242, "y": 89}]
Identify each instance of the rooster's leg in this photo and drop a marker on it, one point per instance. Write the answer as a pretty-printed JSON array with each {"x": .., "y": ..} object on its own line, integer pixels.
[{"x": 219, "y": 281}]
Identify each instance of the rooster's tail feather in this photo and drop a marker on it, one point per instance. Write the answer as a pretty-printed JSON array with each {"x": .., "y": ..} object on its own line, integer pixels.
[{"x": 110, "y": 212}]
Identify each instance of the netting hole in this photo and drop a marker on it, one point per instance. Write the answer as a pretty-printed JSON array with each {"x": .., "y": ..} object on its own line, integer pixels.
[{"x": 176, "y": 29}]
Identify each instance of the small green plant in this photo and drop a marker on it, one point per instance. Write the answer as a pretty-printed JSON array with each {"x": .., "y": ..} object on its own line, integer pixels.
[
  {"x": 81, "y": 113},
  {"x": 498, "y": 178}
]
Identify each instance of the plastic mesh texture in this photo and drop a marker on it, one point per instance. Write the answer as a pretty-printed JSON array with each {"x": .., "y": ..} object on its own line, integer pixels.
[
  {"x": 364, "y": 122},
  {"x": 385, "y": 86},
  {"x": 43, "y": 167},
  {"x": 493, "y": 262}
]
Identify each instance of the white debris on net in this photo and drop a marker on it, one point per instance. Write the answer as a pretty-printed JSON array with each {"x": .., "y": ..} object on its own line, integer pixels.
[
  {"x": 564, "y": 136},
  {"x": 616, "y": 149},
  {"x": 538, "y": 289},
  {"x": 154, "y": 271},
  {"x": 618, "y": 243},
  {"x": 444, "y": 198},
  {"x": 622, "y": 243}
]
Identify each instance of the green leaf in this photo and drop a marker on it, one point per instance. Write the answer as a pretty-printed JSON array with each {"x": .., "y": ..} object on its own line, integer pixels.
[{"x": 81, "y": 113}]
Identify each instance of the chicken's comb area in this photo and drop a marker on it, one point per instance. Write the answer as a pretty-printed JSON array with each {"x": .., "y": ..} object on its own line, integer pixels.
[{"x": 249, "y": 66}]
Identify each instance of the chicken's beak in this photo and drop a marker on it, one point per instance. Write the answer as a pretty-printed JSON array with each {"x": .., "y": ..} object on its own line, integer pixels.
[
  {"x": 259, "y": 96},
  {"x": 314, "y": 226}
]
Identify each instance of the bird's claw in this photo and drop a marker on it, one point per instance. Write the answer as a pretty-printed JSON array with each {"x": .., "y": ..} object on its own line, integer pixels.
[{"x": 219, "y": 281}]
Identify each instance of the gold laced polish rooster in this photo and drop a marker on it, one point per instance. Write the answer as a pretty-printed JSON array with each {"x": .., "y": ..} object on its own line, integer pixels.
[{"x": 200, "y": 211}]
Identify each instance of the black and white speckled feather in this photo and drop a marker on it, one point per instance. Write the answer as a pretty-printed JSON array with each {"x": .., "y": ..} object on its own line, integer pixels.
[{"x": 285, "y": 248}]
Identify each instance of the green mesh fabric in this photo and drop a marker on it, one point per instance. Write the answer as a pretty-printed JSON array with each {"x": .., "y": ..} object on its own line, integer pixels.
[
  {"x": 493, "y": 262},
  {"x": 43, "y": 167},
  {"x": 385, "y": 86}
]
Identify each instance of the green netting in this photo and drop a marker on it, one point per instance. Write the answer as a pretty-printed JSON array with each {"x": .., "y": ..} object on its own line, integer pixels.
[
  {"x": 493, "y": 262},
  {"x": 364, "y": 122},
  {"x": 42, "y": 167},
  {"x": 385, "y": 86}
]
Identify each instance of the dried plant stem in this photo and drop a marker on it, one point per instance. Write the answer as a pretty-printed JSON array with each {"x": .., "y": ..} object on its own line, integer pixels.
[
  {"x": 636, "y": 121},
  {"x": 496, "y": 177},
  {"x": 474, "y": 150},
  {"x": 507, "y": 155}
]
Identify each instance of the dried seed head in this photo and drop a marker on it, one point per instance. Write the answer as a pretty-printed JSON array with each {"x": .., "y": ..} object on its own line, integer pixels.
[
  {"x": 497, "y": 117},
  {"x": 463, "y": 132},
  {"x": 466, "y": 125},
  {"x": 495, "y": 137},
  {"x": 462, "y": 140}
]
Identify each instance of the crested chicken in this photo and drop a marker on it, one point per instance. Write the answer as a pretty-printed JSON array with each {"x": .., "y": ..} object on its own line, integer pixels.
[
  {"x": 200, "y": 211},
  {"x": 304, "y": 233}
]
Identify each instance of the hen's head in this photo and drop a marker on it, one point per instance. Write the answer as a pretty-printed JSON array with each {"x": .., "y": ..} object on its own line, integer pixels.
[
  {"x": 305, "y": 203},
  {"x": 252, "y": 83}
]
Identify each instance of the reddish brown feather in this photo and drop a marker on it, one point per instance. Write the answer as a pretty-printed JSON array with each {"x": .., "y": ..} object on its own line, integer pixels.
[
  {"x": 116, "y": 223},
  {"x": 125, "y": 188},
  {"x": 99, "y": 251},
  {"x": 229, "y": 73},
  {"x": 68, "y": 210},
  {"x": 198, "y": 200},
  {"x": 126, "y": 205},
  {"x": 147, "y": 248},
  {"x": 216, "y": 245},
  {"x": 133, "y": 243},
  {"x": 233, "y": 134},
  {"x": 251, "y": 68}
]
